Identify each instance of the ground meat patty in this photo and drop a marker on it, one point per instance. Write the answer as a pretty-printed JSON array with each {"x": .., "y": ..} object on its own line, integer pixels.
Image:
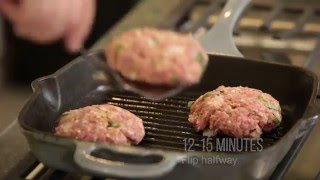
[
  {"x": 101, "y": 123},
  {"x": 157, "y": 57},
  {"x": 235, "y": 111}
]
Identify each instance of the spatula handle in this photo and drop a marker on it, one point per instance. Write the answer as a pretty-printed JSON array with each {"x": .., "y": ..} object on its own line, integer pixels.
[{"x": 219, "y": 39}]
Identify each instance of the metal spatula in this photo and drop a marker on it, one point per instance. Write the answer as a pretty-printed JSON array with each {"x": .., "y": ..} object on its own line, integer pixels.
[
  {"x": 220, "y": 34},
  {"x": 149, "y": 91}
]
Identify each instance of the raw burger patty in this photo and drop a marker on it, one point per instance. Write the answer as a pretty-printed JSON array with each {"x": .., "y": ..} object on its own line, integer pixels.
[
  {"x": 235, "y": 111},
  {"x": 157, "y": 57},
  {"x": 101, "y": 123}
]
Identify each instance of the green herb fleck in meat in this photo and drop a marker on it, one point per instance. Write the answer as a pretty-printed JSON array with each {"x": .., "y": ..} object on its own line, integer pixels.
[
  {"x": 272, "y": 106},
  {"x": 277, "y": 116},
  {"x": 114, "y": 124},
  {"x": 190, "y": 103},
  {"x": 201, "y": 60},
  {"x": 175, "y": 80},
  {"x": 261, "y": 98},
  {"x": 267, "y": 104},
  {"x": 64, "y": 114},
  {"x": 117, "y": 50},
  {"x": 206, "y": 95}
]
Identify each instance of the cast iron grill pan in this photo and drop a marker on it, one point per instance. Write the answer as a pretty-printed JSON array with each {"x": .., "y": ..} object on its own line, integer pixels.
[{"x": 166, "y": 122}]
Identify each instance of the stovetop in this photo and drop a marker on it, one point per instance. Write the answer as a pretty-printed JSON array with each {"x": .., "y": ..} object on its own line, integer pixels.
[
  {"x": 282, "y": 31},
  {"x": 287, "y": 31}
]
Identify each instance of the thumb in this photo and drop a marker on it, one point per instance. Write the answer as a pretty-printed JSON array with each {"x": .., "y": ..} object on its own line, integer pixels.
[{"x": 10, "y": 9}]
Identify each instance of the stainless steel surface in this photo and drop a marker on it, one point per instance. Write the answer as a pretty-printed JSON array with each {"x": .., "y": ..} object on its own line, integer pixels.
[
  {"x": 308, "y": 11},
  {"x": 274, "y": 13}
]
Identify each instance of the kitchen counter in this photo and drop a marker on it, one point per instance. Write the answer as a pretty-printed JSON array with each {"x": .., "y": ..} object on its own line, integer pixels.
[
  {"x": 13, "y": 145},
  {"x": 147, "y": 13}
]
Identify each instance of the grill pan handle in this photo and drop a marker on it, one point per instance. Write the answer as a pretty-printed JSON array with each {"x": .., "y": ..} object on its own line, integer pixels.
[
  {"x": 307, "y": 123},
  {"x": 219, "y": 39},
  {"x": 83, "y": 157}
]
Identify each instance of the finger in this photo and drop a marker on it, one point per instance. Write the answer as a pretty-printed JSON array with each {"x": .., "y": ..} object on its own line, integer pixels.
[
  {"x": 78, "y": 33},
  {"x": 45, "y": 25},
  {"x": 10, "y": 9},
  {"x": 31, "y": 33},
  {"x": 52, "y": 26},
  {"x": 74, "y": 12}
]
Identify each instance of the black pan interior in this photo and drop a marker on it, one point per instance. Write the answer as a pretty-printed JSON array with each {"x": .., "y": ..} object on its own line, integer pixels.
[{"x": 166, "y": 121}]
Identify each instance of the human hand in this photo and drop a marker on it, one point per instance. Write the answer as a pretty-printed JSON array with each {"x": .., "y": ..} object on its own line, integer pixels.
[{"x": 47, "y": 21}]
